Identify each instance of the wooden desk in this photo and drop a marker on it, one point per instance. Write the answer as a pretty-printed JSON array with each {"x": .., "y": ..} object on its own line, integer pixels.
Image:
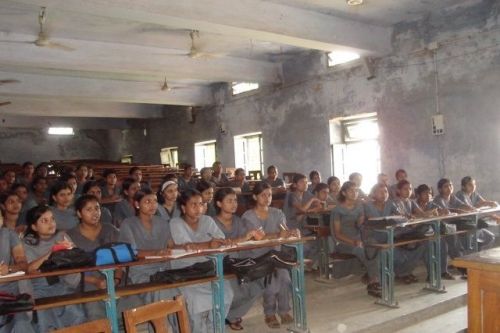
[{"x": 483, "y": 290}]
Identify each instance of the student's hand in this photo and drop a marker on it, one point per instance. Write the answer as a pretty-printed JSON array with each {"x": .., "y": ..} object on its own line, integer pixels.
[
  {"x": 101, "y": 283},
  {"x": 20, "y": 229},
  {"x": 164, "y": 252},
  {"x": 216, "y": 243},
  {"x": 4, "y": 269},
  {"x": 294, "y": 233},
  {"x": 66, "y": 244},
  {"x": 358, "y": 243}
]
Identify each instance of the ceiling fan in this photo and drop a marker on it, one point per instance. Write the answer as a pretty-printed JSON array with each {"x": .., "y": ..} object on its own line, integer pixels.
[
  {"x": 194, "y": 51},
  {"x": 43, "y": 39},
  {"x": 5, "y": 103},
  {"x": 7, "y": 81}
]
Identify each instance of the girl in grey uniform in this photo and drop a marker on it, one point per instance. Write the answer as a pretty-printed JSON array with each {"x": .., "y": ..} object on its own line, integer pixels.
[
  {"x": 40, "y": 237},
  {"x": 196, "y": 231},
  {"x": 274, "y": 224},
  {"x": 233, "y": 228},
  {"x": 89, "y": 235},
  {"x": 125, "y": 208},
  {"x": 167, "y": 199},
  {"x": 207, "y": 194},
  {"x": 12, "y": 259},
  {"x": 61, "y": 198},
  {"x": 92, "y": 187}
]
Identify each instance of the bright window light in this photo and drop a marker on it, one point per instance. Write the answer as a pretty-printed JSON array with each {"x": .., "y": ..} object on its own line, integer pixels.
[
  {"x": 341, "y": 57},
  {"x": 61, "y": 131},
  {"x": 241, "y": 87}
]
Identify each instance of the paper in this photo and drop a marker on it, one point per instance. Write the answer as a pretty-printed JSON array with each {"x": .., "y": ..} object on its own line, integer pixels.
[
  {"x": 383, "y": 218},
  {"x": 18, "y": 273}
]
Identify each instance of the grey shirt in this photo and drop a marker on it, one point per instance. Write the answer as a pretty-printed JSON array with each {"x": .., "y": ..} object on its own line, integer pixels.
[
  {"x": 453, "y": 203},
  {"x": 8, "y": 240},
  {"x": 348, "y": 220},
  {"x": 472, "y": 200},
  {"x": 238, "y": 229},
  {"x": 278, "y": 182},
  {"x": 291, "y": 199},
  {"x": 122, "y": 210},
  {"x": 270, "y": 225},
  {"x": 65, "y": 219},
  {"x": 166, "y": 215}
]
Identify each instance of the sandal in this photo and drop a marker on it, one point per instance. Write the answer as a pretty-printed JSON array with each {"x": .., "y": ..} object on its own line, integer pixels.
[
  {"x": 286, "y": 319},
  {"x": 272, "y": 322},
  {"x": 235, "y": 326}
]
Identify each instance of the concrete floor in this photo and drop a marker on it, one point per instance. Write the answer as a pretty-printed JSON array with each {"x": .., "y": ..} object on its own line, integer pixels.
[{"x": 343, "y": 306}]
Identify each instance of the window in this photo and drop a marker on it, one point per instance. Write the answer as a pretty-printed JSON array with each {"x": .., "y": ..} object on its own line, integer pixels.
[
  {"x": 248, "y": 152},
  {"x": 355, "y": 148},
  {"x": 204, "y": 154},
  {"x": 127, "y": 159},
  {"x": 170, "y": 156},
  {"x": 61, "y": 131},
  {"x": 241, "y": 87},
  {"x": 341, "y": 57}
]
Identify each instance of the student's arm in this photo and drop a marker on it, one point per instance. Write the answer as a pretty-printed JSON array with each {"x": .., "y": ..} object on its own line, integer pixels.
[
  {"x": 20, "y": 261},
  {"x": 304, "y": 208},
  {"x": 338, "y": 235}
]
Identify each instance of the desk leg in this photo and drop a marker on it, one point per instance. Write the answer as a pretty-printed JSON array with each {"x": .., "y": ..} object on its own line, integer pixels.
[
  {"x": 386, "y": 265},
  {"x": 110, "y": 303},
  {"x": 472, "y": 237},
  {"x": 434, "y": 258},
  {"x": 324, "y": 267},
  {"x": 298, "y": 292},
  {"x": 218, "y": 311}
]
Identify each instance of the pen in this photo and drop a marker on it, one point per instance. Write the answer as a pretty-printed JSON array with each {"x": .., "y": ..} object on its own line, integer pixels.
[{"x": 283, "y": 227}]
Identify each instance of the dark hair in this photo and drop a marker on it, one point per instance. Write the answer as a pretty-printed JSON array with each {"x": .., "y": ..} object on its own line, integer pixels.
[
  {"x": 402, "y": 183},
  {"x": 7, "y": 171},
  {"x": 269, "y": 168},
  {"x": 220, "y": 195},
  {"x": 376, "y": 187},
  {"x": 140, "y": 195},
  {"x": 186, "y": 166},
  {"x": 216, "y": 163},
  {"x": 108, "y": 172},
  {"x": 30, "y": 235},
  {"x": 347, "y": 185},
  {"x": 56, "y": 188},
  {"x": 127, "y": 182},
  {"x": 442, "y": 182},
  {"x": 331, "y": 179},
  {"x": 42, "y": 165},
  {"x": 238, "y": 171},
  {"x": 261, "y": 187},
  {"x": 79, "y": 166},
  {"x": 133, "y": 169},
  {"x": 88, "y": 185},
  {"x": 186, "y": 196},
  {"x": 18, "y": 185},
  {"x": 313, "y": 173},
  {"x": 6, "y": 195},
  {"x": 421, "y": 189},
  {"x": 203, "y": 185},
  {"x": 169, "y": 176},
  {"x": 400, "y": 171},
  {"x": 354, "y": 174},
  {"x": 159, "y": 193},
  {"x": 466, "y": 180},
  {"x": 297, "y": 177},
  {"x": 36, "y": 180},
  {"x": 25, "y": 164},
  {"x": 83, "y": 200},
  {"x": 66, "y": 176},
  {"x": 320, "y": 187}
]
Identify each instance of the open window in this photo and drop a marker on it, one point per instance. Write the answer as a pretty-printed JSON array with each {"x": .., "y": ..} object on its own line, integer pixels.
[
  {"x": 170, "y": 156},
  {"x": 204, "y": 154},
  {"x": 248, "y": 152}
]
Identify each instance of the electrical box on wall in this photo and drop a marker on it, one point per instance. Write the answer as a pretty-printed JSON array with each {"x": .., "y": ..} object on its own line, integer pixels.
[{"x": 438, "y": 124}]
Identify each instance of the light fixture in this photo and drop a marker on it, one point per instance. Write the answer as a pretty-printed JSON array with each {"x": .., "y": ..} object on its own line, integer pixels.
[
  {"x": 61, "y": 131},
  {"x": 354, "y": 2},
  {"x": 341, "y": 57}
]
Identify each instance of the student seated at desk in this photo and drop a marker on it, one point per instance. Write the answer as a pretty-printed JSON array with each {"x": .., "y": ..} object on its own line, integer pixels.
[
  {"x": 126, "y": 207},
  {"x": 218, "y": 177},
  {"x": 334, "y": 187},
  {"x": 167, "y": 201},
  {"x": 321, "y": 192},
  {"x": 11, "y": 206},
  {"x": 151, "y": 236},
  {"x": 382, "y": 178},
  {"x": 110, "y": 190},
  {"x": 234, "y": 229},
  {"x": 239, "y": 181},
  {"x": 315, "y": 179},
  {"x": 70, "y": 179},
  {"x": 273, "y": 223},
  {"x": 186, "y": 180},
  {"x": 40, "y": 237},
  {"x": 206, "y": 175},
  {"x": 26, "y": 177},
  {"x": 13, "y": 259},
  {"x": 81, "y": 173},
  {"x": 405, "y": 260},
  {"x": 88, "y": 235},
  {"x": 10, "y": 178},
  {"x": 345, "y": 222},
  {"x": 471, "y": 197},
  {"x": 136, "y": 174},
  {"x": 92, "y": 187},
  {"x": 195, "y": 231},
  {"x": 273, "y": 179},
  {"x": 42, "y": 170},
  {"x": 409, "y": 208},
  {"x": 357, "y": 179},
  {"x": 38, "y": 194},
  {"x": 298, "y": 202},
  {"x": 22, "y": 192},
  {"x": 400, "y": 175},
  {"x": 207, "y": 194},
  {"x": 61, "y": 198}
]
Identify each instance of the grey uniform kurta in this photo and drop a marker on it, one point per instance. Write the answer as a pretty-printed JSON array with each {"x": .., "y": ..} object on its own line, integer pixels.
[
  {"x": 244, "y": 294},
  {"x": 54, "y": 318},
  {"x": 277, "y": 294},
  {"x": 65, "y": 219},
  {"x": 199, "y": 296},
  {"x": 122, "y": 210},
  {"x": 108, "y": 234},
  {"x": 21, "y": 323},
  {"x": 168, "y": 215}
]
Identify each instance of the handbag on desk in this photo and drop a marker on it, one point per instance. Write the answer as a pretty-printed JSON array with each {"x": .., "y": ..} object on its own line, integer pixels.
[
  {"x": 251, "y": 269},
  {"x": 67, "y": 259},
  {"x": 196, "y": 271}
]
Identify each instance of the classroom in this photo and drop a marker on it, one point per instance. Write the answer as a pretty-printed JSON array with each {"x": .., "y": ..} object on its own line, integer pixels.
[{"x": 358, "y": 139}]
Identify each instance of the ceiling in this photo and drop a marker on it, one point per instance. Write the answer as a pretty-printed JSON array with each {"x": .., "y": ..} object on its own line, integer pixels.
[{"x": 121, "y": 52}]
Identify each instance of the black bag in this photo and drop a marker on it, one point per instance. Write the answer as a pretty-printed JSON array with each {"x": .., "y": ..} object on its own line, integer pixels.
[
  {"x": 15, "y": 303},
  {"x": 196, "y": 271},
  {"x": 67, "y": 259},
  {"x": 251, "y": 269}
]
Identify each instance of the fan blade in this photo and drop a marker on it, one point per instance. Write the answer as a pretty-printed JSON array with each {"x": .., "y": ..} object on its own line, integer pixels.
[
  {"x": 5, "y": 103},
  {"x": 62, "y": 47},
  {"x": 6, "y": 81}
]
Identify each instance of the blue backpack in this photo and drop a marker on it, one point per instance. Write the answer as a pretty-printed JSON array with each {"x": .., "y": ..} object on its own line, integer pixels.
[{"x": 115, "y": 253}]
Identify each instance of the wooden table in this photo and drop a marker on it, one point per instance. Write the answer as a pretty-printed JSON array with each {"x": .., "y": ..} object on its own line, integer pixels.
[{"x": 483, "y": 290}]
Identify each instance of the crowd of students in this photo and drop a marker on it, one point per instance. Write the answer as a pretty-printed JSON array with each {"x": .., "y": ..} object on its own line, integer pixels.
[{"x": 191, "y": 213}]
